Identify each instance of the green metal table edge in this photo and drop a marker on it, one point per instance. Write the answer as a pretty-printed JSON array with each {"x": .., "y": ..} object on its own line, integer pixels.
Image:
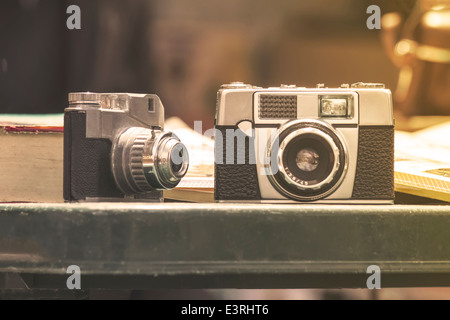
[{"x": 181, "y": 245}]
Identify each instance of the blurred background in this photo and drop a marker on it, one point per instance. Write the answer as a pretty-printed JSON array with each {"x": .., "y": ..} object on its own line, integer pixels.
[{"x": 184, "y": 50}]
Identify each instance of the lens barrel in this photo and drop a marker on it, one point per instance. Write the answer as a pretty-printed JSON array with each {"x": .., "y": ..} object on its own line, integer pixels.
[
  {"x": 308, "y": 160},
  {"x": 145, "y": 160}
]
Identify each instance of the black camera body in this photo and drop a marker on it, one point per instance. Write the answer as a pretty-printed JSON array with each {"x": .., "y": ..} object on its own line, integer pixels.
[
  {"x": 116, "y": 149},
  {"x": 316, "y": 145}
]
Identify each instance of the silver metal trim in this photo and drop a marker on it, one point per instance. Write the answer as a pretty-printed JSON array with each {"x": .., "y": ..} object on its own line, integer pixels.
[
  {"x": 84, "y": 98},
  {"x": 375, "y": 104},
  {"x": 317, "y": 202},
  {"x": 157, "y": 198},
  {"x": 141, "y": 160},
  {"x": 157, "y": 160}
]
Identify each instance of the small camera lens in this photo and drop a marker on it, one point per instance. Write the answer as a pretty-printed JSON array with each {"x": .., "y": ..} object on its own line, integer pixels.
[
  {"x": 178, "y": 159},
  {"x": 166, "y": 162},
  {"x": 144, "y": 160},
  {"x": 176, "y": 167},
  {"x": 307, "y": 158}
]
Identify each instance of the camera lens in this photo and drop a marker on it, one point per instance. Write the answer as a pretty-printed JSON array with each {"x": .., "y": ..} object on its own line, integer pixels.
[
  {"x": 310, "y": 160},
  {"x": 311, "y": 146},
  {"x": 172, "y": 162},
  {"x": 177, "y": 153},
  {"x": 144, "y": 160},
  {"x": 307, "y": 159}
]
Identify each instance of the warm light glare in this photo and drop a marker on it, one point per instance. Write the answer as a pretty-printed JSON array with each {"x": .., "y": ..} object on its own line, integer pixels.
[{"x": 437, "y": 19}]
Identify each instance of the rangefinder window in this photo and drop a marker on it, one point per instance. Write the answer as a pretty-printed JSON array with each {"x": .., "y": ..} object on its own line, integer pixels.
[
  {"x": 151, "y": 105},
  {"x": 338, "y": 106}
]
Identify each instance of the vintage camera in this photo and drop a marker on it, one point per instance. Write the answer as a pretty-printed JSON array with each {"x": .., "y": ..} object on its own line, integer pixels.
[
  {"x": 116, "y": 149},
  {"x": 292, "y": 144}
]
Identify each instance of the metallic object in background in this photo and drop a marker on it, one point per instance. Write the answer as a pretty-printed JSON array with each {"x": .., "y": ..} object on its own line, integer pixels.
[
  {"x": 420, "y": 48},
  {"x": 115, "y": 148}
]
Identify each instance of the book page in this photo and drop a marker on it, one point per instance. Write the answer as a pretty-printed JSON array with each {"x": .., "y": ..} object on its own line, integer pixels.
[
  {"x": 422, "y": 162},
  {"x": 201, "y": 156}
]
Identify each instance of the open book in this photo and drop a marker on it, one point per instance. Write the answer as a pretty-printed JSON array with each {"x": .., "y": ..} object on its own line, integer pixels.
[
  {"x": 422, "y": 162},
  {"x": 198, "y": 184}
]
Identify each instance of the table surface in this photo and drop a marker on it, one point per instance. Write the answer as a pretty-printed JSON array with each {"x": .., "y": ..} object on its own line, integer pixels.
[{"x": 188, "y": 246}]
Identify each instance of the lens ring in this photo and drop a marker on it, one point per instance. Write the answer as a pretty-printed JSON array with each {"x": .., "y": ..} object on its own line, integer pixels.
[
  {"x": 286, "y": 144},
  {"x": 166, "y": 159},
  {"x": 288, "y": 182},
  {"x": 179, "y": 160},
  {"x": 141, "y": 160},
  {"x": 126, "y": 160}
]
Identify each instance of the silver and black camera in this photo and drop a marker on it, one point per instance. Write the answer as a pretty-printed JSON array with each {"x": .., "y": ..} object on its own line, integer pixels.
[
  {"x": 292, "y": 144},
  {"x": 115, "y": 148}
]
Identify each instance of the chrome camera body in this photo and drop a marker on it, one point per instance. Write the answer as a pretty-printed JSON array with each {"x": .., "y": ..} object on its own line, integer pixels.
[
  {"x": 295, "y": 144},
  {"x": 116, "y": 149}
]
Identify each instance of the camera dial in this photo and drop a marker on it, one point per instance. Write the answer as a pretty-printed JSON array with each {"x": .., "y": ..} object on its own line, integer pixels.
[
  {"x": 144, "y": 160},
  {"x": 308, "y": 160}
]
